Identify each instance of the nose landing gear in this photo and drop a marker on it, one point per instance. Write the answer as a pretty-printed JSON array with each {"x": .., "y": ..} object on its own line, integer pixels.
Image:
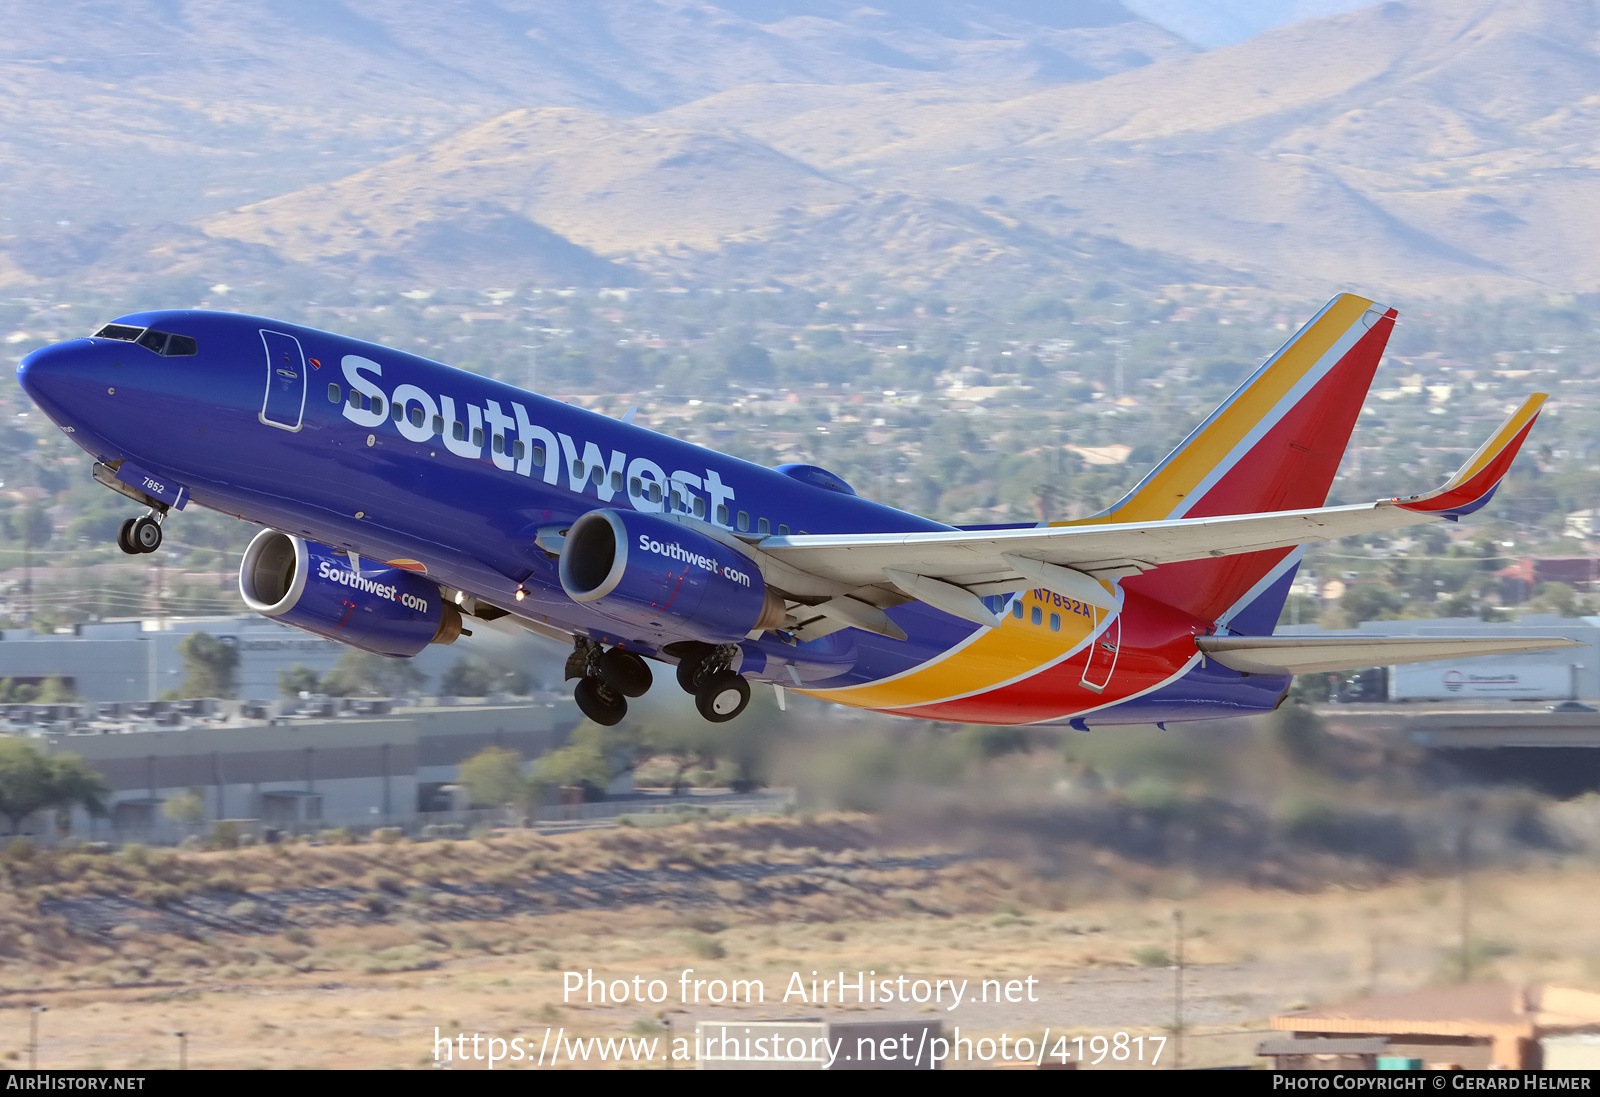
[{"x": 140, "y": 535}]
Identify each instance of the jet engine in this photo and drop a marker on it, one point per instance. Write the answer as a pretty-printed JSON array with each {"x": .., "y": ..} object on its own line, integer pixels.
[
  {"x": 387, "y": 611},
  {"x": 651, "y": 572}
]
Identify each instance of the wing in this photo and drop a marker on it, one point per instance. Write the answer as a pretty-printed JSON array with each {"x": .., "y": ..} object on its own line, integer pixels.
[
  {"x": 954, "y": 570},
  {"x": 1323, "y": 654}
]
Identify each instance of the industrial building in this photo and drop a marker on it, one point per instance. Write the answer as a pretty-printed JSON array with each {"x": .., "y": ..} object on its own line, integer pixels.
[
  {"x": 138, "y": 660},
  {"x": 298, "y": 772},
  {"x": 1566, "y": 674},
  {"x": 1477, "y": 1026}
]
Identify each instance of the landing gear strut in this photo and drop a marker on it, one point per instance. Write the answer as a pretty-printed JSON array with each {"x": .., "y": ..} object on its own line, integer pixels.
[
  {"x": 606, "y": 679},
  {"x": 719, "y": 693},
  {"x": 140, "y": 535}
]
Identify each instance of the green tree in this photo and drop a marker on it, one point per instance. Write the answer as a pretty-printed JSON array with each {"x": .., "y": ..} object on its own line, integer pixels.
[
  {"x": 31, "y": 781},
  {"x": 493, "y": 777},
  {"x": 188, "y": 808},
  {"x": 589, "y": 760},
  {"x": 54, "y": 691},
  {"x": 477, "y": 677},
  {"x": 362, "y": 674},
  {"x": 51, "y": 691},
  {"x": 298, "y": 679},
  {"x": 210, "y": 666}
]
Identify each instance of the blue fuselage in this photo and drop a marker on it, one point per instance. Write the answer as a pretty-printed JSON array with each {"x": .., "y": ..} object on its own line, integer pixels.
[{"x": 398, "y": 458}]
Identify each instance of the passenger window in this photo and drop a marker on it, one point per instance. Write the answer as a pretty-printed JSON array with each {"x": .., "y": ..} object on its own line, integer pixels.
[
  {"x": 763, "y": 527},
  {"x": 1055, "y": 622},
  {"x": 635, "y": 487},
  {"x": 355, "y": 399},
  {"x": 744, "y": 521},
  {"x": 1038, "y": 616},
  {"x": 458, "y": 430},
  {"x": 1016, "y": 609},
  {"x": 181, "y": 346},
  {"x": 577, "y": 470},
  {"x": 377, "y": 404},
  {"x": 655, "y": 493},
  {"x": 598, "y": 474},
  {"x": 518, "y": 448},
  {"x": 416, "y": 415},
  {"x": 477, "y": 436},
  {"x": 438, "y": 424},
  {"x": 677, "y": 501},
  {"x": 538, "y": 456},
  {"x": 616, "y": 481},
  {"x": 783, "y": 530},
  {"x": 398, "y": 411},
  {"x": 699, "y": 507},
  {"x": 722, "y": 514},
  {"x": 499, "y": 443},
  {"x": 333, "y": 393}
]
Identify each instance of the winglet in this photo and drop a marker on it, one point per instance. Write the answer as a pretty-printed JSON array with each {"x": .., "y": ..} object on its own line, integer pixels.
[{"x": 1475, "y": 482}]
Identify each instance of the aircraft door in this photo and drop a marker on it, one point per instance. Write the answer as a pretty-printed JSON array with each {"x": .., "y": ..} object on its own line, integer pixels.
[
  {"x": 1102, "y": 662},
  {"x": 285, "y": 401}
]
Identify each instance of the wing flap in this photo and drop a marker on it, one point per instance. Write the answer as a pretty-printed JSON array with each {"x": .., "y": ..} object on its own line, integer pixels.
[
  {"x": 1325, "y": 654},
  {"x": 861, "y": 559}
]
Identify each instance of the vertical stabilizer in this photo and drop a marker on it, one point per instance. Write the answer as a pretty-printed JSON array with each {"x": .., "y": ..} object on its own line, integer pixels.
[{"x": 1275, "y": 444}]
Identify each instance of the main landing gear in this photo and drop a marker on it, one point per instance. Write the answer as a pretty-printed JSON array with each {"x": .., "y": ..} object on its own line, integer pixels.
[
  {"x": 608, "y": 677},
  {"x": 140, "y": 535},
  {"x": 706, "y": 672}
]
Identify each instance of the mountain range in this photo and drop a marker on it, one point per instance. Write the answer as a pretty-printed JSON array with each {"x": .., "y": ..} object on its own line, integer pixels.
[{"x": 1426, "y": 147}]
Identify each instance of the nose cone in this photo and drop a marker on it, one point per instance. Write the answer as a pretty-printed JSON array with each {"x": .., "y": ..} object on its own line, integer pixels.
[{"x": 52, "y": 375}]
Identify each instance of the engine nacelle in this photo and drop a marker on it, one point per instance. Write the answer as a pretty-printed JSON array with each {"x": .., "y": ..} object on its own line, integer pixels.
[
  {"x": 661, "y": 576},
  {"x": 384, "y": 610}
]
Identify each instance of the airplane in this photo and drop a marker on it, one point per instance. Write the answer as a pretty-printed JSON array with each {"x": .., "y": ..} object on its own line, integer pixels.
[{"x": 402, "y": 499}]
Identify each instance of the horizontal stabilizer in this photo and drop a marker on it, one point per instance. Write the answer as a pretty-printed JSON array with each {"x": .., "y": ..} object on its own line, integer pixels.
[{"x": 1326, "y": 654}]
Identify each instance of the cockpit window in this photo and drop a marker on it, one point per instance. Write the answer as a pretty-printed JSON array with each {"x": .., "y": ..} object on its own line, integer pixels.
[
  {"x": 167, "y": 344},
  {"x": 119, "y": 331},
  {"x": 163, "y": 343}
]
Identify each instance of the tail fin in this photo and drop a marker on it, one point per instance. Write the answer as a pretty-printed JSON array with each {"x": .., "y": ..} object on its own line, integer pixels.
[{"x": 1275, "y": 444}]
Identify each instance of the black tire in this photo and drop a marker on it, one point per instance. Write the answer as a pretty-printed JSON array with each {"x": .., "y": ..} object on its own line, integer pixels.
[
  {"x": 599, "y": 702},
  {"x": 688, "y": 671},
  {"x": 626, "y": 673},
  {"x": 722, "y": 696},
  {"x": 125, "y": 538},
  {"x": 145, "y": 535}
]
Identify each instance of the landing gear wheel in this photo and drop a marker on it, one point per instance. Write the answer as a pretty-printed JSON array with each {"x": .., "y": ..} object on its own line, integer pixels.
[
  {"x": 688, "y": 671},
  {"x": 125, "y": 538},
  {"x": 722, "y": 696},
  {"x": 626, "y": 673},
  {"x": 145, "y": 534},
  {"x": 599, "y": 702}
]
